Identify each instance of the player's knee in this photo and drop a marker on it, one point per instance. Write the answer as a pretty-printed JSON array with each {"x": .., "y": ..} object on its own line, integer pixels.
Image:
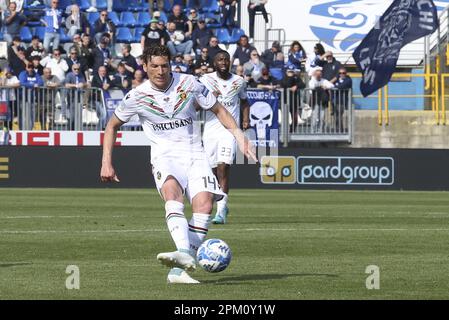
[{"x": 203, "y": 204}]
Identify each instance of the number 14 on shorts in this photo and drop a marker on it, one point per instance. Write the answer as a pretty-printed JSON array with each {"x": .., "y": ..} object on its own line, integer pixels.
[{"x": 211, "y": 181}]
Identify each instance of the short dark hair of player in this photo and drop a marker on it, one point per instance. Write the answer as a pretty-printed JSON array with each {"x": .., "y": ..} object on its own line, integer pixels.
[
  {"x": 222, "y": 52},
  {"x": 156, "y": 50}
]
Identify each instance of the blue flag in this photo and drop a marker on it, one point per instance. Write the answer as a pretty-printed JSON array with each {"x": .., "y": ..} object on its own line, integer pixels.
[{"x": 403, "y": 22}]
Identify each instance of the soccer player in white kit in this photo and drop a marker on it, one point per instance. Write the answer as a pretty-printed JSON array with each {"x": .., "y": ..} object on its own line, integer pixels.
[
  {"x": 218, "y": 142},
  {"x": 166, "y": 106}
]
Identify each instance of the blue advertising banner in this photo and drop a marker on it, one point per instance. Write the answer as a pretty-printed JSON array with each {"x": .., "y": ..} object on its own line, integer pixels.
[
  {"x": 263, "y": 115},
  {"x": 112, "y": 104},
  {"x": 404, "y": 21}
]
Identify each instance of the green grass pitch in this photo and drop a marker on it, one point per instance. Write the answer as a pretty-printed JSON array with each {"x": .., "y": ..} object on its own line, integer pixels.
[{"x": 286, "y": 245}]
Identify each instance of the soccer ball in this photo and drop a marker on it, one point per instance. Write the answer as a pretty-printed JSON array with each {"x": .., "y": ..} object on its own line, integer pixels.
[{"x": 214, "y": 255}]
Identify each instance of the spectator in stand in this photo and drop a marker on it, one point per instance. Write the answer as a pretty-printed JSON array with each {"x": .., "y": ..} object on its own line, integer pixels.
[
  {"x": 77, "y": 43},
  {"x": 279, "y": 62},
  {"x": 296, "y": 56},
  {"x": 10, "y": 83},
  {"x": 76, "y": 79},
  {"x": 178, "y": 41},
  {"x": 73, "y": 58},
  {"x": 57, "y": 65},
  {"x": 52, "y": 21},
  {"x": 253, "y": 7},
  {"x": 86, "y": 49},
  {"x": 35, "y": 49},
  {"x": 227, "y": 13},
  {"x": 201, "y": 36},
  {"x": 121, "y": 79},
  {"x": 30, "y": 80},
  {"x": 188, "y": 62},
  {"x": 292, "y": 85},
  {"x": 213, "y": 47},
  {"x": 331, "y": 67},
  {"x": 243, "y": 51},
  {"x": 128, "y": 60},
  {"x": 202, "y": 71},
  {"x": 341, "y": 98},
  {"x": 13, "y": 21},
  {"x": 159, "y": 6},
  {"x": 239, "y": 71},
  {"x": 76, "y": 22},
  {"x": 152, "y": 35},
  {"x": 35, "y": 61},
  {"x": 254, "y": 66},
  {"x": 138, "y": 78},
  {"x": 194, "y": 18},
  {"x": 204, "y": 60},
  {"x": 319, "y": 99},
  {"x": 250, "y": 82},
  {"x": 49, "y": 80},
  {"x": 16, "y": 56},
  {"x": 269, "y": 56},
  {"x": 101, "y": 55},
  {"x": 182, "y": 23},
  {"x": 101, "y": 80},
  {"x": 178, "y": 63},
  {"x": 104, "y": 25},
  {"x": 267, "y": 82},
  {"x": 317, "y": 60}
]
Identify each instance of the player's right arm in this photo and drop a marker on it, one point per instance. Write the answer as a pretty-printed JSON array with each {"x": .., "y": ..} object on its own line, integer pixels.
[{"x": 110, "y": 135}]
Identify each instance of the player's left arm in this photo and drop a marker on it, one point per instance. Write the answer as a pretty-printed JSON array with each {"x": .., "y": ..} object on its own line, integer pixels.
[
  {"x": 228, "y": 121},
  {"x": 245, "y": 108}
]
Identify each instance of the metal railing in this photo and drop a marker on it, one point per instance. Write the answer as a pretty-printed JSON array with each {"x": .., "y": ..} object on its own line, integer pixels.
[
  {"x": 44, "y": 108},
  {"x": 317, "y": 115}
]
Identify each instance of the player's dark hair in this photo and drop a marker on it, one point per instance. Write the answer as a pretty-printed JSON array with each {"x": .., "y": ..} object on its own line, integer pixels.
[
  {"x": 155, "y": 51},
  {"x": 223, "y": 52}
]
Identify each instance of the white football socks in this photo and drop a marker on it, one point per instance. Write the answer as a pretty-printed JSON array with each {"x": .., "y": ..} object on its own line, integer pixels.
[
  {"x": 223, "y": 203},
  {"x": 177, "y": 224},
  {"x": 198, "y": 227}
]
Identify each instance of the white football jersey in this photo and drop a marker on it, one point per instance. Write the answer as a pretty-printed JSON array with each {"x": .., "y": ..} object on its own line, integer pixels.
[
  {"x": 229, "y": 94},
  {"x": 168, "y": 117}
]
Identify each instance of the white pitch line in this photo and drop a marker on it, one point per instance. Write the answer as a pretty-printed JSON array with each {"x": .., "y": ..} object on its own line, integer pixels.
[
  {"x": 213, "y": 230},
  {"x": 60, "y": 217}
]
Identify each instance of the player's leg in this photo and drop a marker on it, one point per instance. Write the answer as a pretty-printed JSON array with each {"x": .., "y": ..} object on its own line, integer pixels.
[
  {"x": 171, "y": 192},
  {"x": 222, "y": 173},
  {"x": 202, "y": 205}
]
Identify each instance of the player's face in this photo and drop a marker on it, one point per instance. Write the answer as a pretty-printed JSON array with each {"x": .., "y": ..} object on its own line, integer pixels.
[
  {"x": 158, "y": 71},
  {"x": 222, "y": 63}
]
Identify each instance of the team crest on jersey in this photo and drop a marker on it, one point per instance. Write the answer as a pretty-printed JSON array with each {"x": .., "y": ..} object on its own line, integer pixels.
[
  {"x": 182, "y": 95},
  {"x": 158, "y": 175}
]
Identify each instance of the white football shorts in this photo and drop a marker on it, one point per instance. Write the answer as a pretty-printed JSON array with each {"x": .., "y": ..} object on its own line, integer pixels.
[
  {"x": 193, "y": 175},
  {"x": 220, "y": 147}
]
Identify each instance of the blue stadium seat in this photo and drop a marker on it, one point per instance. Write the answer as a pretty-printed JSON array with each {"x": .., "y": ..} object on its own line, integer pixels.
[
  {"x": 63, "y": 37},
  {"x": 92, "y": 17},
  {"x": 124, "y": 35},
  {"x": 143, "y": 19},
  {"x": 40, "y": 32},
  {"x": 223, "y": 36},
  {"x": 167, "y": 6},
  {"x": 25, "y": 34},
  {"x": 128, "y": 20},
  {"x": 145, "y": 6},
  {"x": 138, "y": 34},
  {"x": 192, "y": 4},
  {"x": 63, "y": 4},
  {"x": 212, "y": 20},
  {"x": 211, "y": 6},
  {"x": 119, "y": 5},
  {"x": 164, "y": 17},
  {"x": 28, "y": 5},
  {"x": 114, "y": 18},
  {"x": 102, "y": 5},
  {"x": 33, "y": 17},
  {"x": 277, "y": 73},
  {"x": 84, "y": 4},
  {"x": 236, "y": 34},
  {"x": 135, "y": 5}
]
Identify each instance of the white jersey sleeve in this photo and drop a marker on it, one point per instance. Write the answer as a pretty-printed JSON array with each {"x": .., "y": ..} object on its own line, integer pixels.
[
  {"x": 242, "y": 94},
  {"x": 127, "y": 108},
  {"x": 203, "y": 96}
]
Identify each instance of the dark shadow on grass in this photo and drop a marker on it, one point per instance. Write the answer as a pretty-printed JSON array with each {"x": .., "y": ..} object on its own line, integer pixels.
[
  {"x": 14, "y": 264},
  {"x": 263, "y": 277}
]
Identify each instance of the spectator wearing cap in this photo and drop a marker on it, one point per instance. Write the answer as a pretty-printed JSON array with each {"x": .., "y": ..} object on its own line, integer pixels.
[
  {"x": 292, "y": 84},
  {"x": 254, "y": 66},
  {"x": 152, "y": 35},
  {"x": 227, "y": 13},
  {"x": 204, "y": 61},
  {"x": 16, "y": 56},
  {"x": 35, "y": 49},
  {"x": 76, "y": 22},
  {"x": 121, "y": 79},
  {"x": 101, "y": 55},
  {"x": 201, "y": 35},
  {"x": 253, "y": 7},
  {"x": 213, "y": 47},
  {"x": 57, "y": 64},
  {"x": 128, "y": 60},
  {"x": 13, "y": 21},
  {"x": 182, "y": 23},
  {"x": 269, "y": 56},
  {"x": 296, "y": 55},
  {"x": 178, "y": 41},
  {"x": 243, "y": 51},
  {"x": 331, "y": 67},
  {"x": 52, "y": 21},
  {"x": 104, "y": 25},
  {"x": 267, "y": 81}
]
